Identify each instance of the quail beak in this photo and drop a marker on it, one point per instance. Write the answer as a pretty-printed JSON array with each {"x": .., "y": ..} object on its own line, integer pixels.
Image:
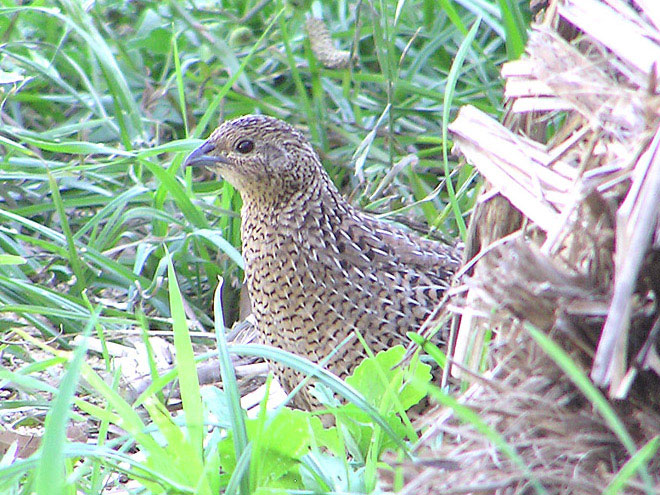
[{"x": 201, "y": 157}]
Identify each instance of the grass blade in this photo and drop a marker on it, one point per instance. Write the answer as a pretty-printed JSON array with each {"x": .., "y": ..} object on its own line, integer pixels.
[
  {"x": 185, "y": 362},
  {"x": 635, "y": 463},
  {"x": 514, "y": 27},
  {"x": 450, "y": 89},
  {"x": 584, "y": 384},
  {"x": 74, "y": 258},
  {"x": 230, "y": 387},
  {"x": 468, "y": 416},
  {"x": 50, "y": 473}
]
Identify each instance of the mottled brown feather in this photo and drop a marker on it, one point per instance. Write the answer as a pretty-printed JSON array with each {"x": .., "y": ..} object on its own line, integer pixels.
[{"x": 317, "y": 269}]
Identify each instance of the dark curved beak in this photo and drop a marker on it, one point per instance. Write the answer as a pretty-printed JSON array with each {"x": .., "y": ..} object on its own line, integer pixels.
[{"x": 201, "y": 157}]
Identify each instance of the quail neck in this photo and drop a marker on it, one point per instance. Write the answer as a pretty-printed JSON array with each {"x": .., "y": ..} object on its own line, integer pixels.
[{"x": 319, "y": 271}]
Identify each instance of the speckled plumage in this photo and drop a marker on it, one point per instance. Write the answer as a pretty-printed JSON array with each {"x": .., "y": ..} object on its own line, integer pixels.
[{"x": 316, "y": 268}]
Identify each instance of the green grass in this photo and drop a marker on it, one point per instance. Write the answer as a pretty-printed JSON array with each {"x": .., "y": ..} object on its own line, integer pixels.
[{"x": 99, "y": 106}]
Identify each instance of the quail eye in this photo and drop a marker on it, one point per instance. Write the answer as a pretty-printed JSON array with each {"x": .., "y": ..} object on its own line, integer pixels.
[{"x": 245, "y": 146}]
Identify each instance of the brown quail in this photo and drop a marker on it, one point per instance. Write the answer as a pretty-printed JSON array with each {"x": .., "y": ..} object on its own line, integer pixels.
[{"x": 317, "y": 269}]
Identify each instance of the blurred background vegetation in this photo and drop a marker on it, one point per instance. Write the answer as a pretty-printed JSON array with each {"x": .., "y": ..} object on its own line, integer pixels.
[{"x": 101, "y": 101}]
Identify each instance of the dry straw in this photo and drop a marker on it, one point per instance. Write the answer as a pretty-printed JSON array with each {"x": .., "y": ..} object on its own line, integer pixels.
[{"x": 567, "y": 241}]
